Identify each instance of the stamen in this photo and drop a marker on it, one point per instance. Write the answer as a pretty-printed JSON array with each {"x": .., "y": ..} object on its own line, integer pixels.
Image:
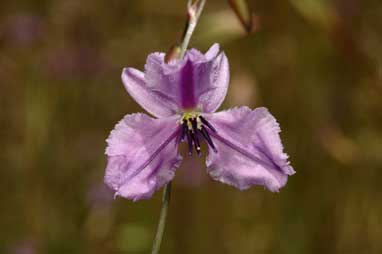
[
  {"x": 207, "y": 123},
  {"x": 196, "y": 128},
  {"x": 208, "y": 139},
  {"x": 196, "y": 142},
  {"x": 196, "y": 135},
  {"x": 189, "y": 140},
  {"x": 194, "y": 124}
]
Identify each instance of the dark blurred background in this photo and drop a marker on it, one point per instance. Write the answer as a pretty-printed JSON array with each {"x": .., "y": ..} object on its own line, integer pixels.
[{"x": 316, "y": 64}]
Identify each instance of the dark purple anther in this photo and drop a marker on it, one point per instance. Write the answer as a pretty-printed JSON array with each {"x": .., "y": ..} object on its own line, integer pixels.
[
  {"x": 194, "y": 124},
  {"x": 207, "y": 123},
  {"x": 208, "y": 138},
  {"x": 196, "y": 141},
  {"x": 189, "y": 140}
]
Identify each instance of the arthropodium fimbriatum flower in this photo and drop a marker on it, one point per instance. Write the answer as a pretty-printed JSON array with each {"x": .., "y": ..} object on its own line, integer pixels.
[{"x": 244, "y": 146}]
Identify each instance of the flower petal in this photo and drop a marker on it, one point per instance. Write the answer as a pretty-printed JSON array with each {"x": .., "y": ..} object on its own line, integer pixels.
[
  {"x": 197, "y": 81},
  {"x": 249, "y": 149},
  {"x": 212, "y": 81},
  {"x": 142, "y": 155},
  {"x": 155, "y": 102}
]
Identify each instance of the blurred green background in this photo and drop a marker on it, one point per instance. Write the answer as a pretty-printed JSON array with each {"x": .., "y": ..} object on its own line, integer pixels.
[{"x": 316, "y": 64}]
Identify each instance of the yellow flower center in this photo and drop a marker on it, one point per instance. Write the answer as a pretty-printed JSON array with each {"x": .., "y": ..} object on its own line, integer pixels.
[{"x": 189, "y": 118}]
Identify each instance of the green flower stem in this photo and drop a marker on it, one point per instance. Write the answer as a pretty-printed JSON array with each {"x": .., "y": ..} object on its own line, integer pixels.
[{"x": 162, "y": 218}]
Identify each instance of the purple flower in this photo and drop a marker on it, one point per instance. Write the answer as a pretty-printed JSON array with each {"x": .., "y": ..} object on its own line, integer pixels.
[{"x": 244, "y": 147}]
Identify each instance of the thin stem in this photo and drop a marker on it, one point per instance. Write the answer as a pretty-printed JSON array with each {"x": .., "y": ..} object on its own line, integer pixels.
[
  {"x": 194, "y": 12},
  {"x": 162, "y": 219}
]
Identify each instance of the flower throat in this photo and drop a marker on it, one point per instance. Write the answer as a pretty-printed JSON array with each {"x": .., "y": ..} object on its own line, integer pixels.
[{"x": 195, "y": 129}]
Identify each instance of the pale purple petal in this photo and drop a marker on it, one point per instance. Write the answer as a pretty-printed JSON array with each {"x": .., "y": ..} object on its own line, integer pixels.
[
  {"x": 142, "y": 155},
  {"x": 212, "y": 81},
  {"x": 196, "y": 82},
  {"x": 249, "y": 149},
  {"x": 155, "y": 102}
]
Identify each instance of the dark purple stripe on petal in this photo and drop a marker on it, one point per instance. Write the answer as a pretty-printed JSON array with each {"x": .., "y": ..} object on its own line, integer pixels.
[
  {"x": 156, "y": 169},
  {"x": 187, "y": 88},
  {"x": 156, "y": 152},
  {"x": 268, "y": 155},
  {"x": 240, "y": 150}
]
